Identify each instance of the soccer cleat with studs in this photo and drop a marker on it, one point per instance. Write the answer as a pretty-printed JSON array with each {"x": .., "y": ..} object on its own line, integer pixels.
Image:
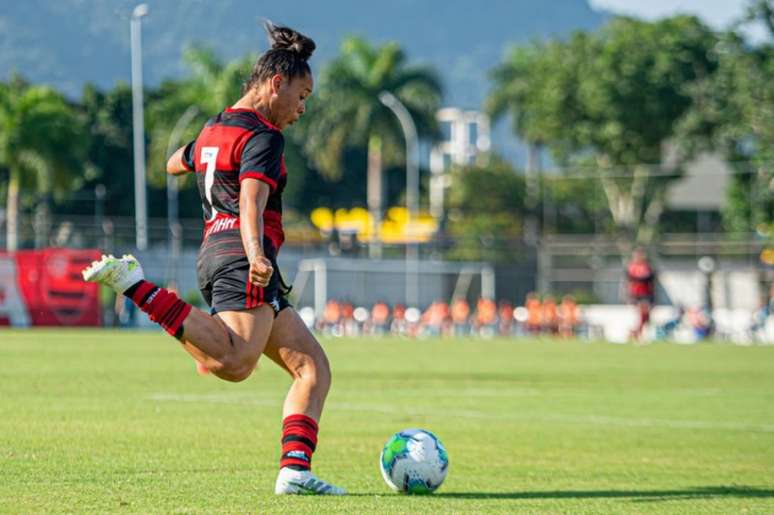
[
  {"x": 117, "y": 273},
  {"x": 303, "y": 482}
]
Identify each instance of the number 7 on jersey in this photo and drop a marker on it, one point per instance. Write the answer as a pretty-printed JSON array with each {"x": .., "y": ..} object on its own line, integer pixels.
[{"x": 209, "y": 157}]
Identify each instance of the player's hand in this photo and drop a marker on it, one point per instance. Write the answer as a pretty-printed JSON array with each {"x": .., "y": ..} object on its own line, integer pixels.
[{"x": 260, "y": 271}]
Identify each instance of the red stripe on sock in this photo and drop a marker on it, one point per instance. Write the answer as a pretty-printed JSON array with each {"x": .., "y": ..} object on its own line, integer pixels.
[
  {"x": 299, "y": 431},
  {"x": 175, "y": 325},
  {"x": 299, "y": 417},
  {"x": 303, "y": 426},
  {"x": 142, "y": 291},
  {"x": 165, "y": 308}
]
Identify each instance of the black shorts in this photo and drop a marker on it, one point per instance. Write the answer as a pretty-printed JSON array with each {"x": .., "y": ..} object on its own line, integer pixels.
[
  {"x": 228, "y": 289},
  {"x": 638, "y": 299}
]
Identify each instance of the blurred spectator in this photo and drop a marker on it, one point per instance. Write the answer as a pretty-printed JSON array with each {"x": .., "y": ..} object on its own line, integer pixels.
[
  {"x": 485, "y": 318},
  {"x": 446, "y": 329},
  {"x": 640, "y": 281},
  {"x": 432, "y": 319},
  {"x": 701, "y": 323},
  {"x": 505, "y": 318},
  {"x": 550, "y": 315},
  {"x": 460, "y": 315},
  {"x": 436, "y": 319},
  {"x": 331, "y": 318},
  {"x": 568, "y": 317},
  {"x": 534, "y": 313},
  {"x": 398, "y": 326},
  {"x": 413, "y": 322},
  {"x": 380, "y": 316},
  {"x": 349, "y": 326}
]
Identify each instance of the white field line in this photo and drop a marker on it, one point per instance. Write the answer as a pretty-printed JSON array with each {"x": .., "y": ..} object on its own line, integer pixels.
[{"x": 600, "y": 420}]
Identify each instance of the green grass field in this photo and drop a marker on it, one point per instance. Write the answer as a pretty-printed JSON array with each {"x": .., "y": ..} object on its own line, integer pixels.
[{"x": 98, "y": 421}]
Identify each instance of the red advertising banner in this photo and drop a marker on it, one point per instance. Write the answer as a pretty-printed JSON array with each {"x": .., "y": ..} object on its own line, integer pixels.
[{"x": 45, "y": 288}]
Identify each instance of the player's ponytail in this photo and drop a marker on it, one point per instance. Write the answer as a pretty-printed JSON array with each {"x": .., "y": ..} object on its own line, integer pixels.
[
  {"x": 288, "y": 56},
  {"x": 284, "y": 38}
]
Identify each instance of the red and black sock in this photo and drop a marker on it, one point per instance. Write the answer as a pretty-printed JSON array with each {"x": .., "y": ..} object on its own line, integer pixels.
[
  {"x": 299, "y": 439},
  {"x": 162, "y": 306}
]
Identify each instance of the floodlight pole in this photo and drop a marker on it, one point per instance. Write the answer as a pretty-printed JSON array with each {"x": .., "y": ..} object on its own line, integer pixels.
[
  {"x": 138, "y": 129},
  {"x": 412, "y": 190},
  {"x": 173, "y": 219}
]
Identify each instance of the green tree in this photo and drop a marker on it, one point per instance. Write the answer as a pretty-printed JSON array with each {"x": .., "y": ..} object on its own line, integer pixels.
[
  {"x": 612, "y": 101},
  {"x": 43, "y": 147},
  {"x": 108, "y": 118},
  {"x": 573, "y": 205},
  {"x": 486, "y": 211},
  {"x": 536, "y": 87},
  {"x": 762, "y": 11},
  {"x": 346, "y": 112},
  {"x": 735, "y": 114}
]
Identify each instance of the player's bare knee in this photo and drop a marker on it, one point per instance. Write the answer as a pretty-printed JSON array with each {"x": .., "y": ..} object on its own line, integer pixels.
[
  {"x": 233, "y": 374},
  {"x": 240, "y": 375},
  {"x": 233, "y": 367}
]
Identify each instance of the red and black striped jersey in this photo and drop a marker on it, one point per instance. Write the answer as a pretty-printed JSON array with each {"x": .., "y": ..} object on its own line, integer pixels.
[
  {"x": 235, "y": 145},
  {"x": 641, "y": 279}
]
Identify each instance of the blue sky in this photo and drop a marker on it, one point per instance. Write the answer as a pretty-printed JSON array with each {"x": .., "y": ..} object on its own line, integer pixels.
[{"x": 717, "y": 13}]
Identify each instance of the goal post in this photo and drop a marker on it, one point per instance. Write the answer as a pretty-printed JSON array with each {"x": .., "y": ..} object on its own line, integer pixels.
[{"x": 364, "y": 282}]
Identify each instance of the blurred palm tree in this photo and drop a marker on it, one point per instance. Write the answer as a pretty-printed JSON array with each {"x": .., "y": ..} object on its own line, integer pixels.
[
  {"x": 345, "y": 111},
  {"x": 43, "y": 147}
]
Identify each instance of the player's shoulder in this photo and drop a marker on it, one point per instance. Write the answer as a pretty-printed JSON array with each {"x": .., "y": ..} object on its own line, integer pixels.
[{"x": 266, "y": 137}]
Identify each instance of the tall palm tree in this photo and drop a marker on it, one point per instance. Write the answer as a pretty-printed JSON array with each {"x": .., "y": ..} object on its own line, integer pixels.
[
  {"x": 42, "y": 146},
  {"x": 346, "y": 112}
]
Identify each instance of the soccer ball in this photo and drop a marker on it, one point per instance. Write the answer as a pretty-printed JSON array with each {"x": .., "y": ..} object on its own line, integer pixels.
[{"x": 414, "y": 461}]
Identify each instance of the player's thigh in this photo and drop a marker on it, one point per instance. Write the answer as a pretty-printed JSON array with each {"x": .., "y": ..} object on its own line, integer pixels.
[
  {"x": 293, "y": 347},
  {"x": 243, "y": 308},
  {"x": 253, "y": 327}
]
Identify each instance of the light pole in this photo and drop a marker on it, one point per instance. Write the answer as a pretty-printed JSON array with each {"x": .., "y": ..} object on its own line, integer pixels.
[
  {"x": 175, "y": 229},
  {"x": 412, "y": 190},
  {"x": 138, "y": 129}
]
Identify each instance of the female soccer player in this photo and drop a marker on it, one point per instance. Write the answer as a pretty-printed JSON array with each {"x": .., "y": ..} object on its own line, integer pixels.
[{"x": 240, "y": 170}]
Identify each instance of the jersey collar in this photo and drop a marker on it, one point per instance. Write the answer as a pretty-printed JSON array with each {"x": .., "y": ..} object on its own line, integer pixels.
[{"x": 256, "y": 113}]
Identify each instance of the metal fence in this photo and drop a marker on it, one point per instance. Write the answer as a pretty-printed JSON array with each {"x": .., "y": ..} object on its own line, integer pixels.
[{"x": 590, "y": 266}]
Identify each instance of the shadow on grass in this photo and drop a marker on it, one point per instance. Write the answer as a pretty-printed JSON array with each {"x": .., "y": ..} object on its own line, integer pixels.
[{"x": 702, "y": 492}]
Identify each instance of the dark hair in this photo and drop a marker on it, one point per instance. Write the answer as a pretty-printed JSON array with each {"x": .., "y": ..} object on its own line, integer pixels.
[{"x": 287, "y": 56}]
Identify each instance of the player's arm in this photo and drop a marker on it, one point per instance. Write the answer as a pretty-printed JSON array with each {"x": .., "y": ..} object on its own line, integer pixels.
[
  {"x": 253, "y": 196},
  {"x": 182, "y": 161},
  {"x": 259, "y": 171}
]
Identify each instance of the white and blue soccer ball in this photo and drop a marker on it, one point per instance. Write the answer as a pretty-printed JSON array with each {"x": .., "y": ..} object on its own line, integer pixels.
[{"x": 414, "y": 461}]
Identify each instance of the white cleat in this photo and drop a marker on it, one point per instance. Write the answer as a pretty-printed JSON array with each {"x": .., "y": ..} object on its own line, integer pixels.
[
  {"x": 116, "y": 273},
  {"x": 303, "y": 482}
]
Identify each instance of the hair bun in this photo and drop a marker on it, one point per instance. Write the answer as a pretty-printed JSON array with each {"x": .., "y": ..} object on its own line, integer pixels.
[{"x": 284, "y": 38}]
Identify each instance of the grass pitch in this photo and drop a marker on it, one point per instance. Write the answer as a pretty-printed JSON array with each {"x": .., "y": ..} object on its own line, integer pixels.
[{"x": 100, "y": 421}]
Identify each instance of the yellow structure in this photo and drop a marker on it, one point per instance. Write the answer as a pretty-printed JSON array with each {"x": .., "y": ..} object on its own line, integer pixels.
[{"x": 397, "y": 227}]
